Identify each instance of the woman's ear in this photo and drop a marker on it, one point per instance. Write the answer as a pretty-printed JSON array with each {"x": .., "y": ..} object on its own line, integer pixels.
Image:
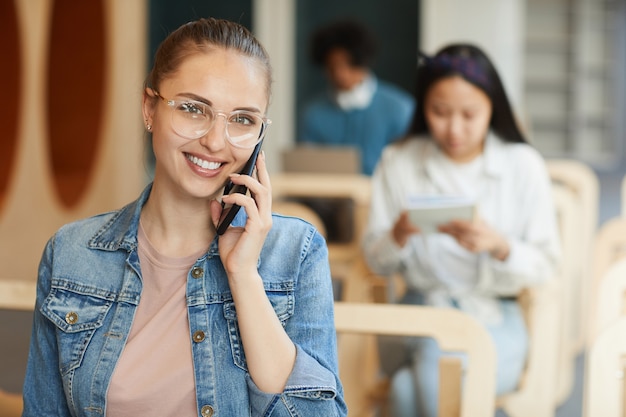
[{"x": 147, "y": 107}]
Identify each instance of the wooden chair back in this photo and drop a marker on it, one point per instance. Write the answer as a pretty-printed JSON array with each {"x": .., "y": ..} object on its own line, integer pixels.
[
  {"x": 609, "y": 247},
  {"x": 358, "y": 323},
  {"x": 549, "y": 371},
  {"x": 583, "y": 182},
  {"x": 604, "y": 387},
  {"x": 611, "y": 300},
  {"x": 569, "y": 220},
  {"x": 15, "y": 295}
]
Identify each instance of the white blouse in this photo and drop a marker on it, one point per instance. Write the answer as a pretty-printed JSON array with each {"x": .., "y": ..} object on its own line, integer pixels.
[{"x": 513, "y": 192}]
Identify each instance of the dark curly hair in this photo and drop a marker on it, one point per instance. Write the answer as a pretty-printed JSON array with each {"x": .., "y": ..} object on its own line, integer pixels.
[{"x": 349, "y": 35}]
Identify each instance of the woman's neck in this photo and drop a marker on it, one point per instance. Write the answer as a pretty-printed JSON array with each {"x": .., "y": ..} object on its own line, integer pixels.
[{"x": 177, "y": 228}]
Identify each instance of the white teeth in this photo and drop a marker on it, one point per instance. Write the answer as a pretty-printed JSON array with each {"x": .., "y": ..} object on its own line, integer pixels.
[{"x": 204, "y": 164}]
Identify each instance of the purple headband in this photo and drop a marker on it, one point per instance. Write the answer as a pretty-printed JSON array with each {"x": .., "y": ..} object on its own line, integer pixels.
[{"x": 465, "y": 66}]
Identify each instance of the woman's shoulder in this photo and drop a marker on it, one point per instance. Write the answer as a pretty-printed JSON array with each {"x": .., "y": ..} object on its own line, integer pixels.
[
  {"x": 293, "y": 229},
  {"x": 104, "y": 230},
  {"x": 86, "y": 226},
  {"x": 292, "y": 239},
  {"x": 523, "y": 153},
  {"x": 408, "y": 148}
]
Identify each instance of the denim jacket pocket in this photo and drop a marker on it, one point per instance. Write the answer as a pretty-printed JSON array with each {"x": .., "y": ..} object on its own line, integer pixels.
[
  {"x": 280, "y": 295},
  {"x": 77, "y": 313}
]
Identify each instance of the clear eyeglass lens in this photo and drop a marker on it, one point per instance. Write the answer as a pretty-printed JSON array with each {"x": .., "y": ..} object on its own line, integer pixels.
[{"x": 193, "y": 120}]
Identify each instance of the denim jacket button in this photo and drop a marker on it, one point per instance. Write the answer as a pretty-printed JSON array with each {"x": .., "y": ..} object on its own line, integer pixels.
[
  {"x": 206, "y": 411},
  {"x": 71, "y": 317},
  {"x": 198, "y": 336},
  {"x": 197, "y": 272}
]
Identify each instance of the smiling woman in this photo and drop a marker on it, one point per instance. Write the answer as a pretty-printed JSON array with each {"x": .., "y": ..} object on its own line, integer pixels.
[{"x": 247, "y": 314}]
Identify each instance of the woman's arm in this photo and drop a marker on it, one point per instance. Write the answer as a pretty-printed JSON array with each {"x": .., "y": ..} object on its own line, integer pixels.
[{"x": 43, "y": 388}]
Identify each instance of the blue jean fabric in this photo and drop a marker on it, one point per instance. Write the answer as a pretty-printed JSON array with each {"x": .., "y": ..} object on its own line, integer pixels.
[
  {"x": 88, "y": 289},
  {"x": 414, "y": 385}
]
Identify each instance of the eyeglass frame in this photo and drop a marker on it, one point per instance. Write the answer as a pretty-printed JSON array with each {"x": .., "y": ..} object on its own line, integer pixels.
[{"x": 172, "y": 103}]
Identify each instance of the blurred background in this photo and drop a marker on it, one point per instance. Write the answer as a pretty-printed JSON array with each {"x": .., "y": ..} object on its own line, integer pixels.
[{"x": 73, "y": 141}]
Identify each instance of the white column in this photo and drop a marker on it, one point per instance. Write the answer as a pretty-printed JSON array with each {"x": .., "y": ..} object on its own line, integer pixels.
[
  {"x": 274, "y": 26},
  {"x": 496, "y": 26}
]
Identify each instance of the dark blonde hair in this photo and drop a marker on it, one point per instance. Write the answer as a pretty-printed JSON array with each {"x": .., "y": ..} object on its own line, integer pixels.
[{"x": 199, "y": 36}]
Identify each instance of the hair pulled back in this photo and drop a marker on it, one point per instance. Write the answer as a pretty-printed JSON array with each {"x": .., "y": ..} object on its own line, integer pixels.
[{"x": 200, "y": 36}]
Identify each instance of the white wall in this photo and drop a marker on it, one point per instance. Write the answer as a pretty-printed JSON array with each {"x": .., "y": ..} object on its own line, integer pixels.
[
  {"x": 496, "y": 26},
  {"x": 274, "y": 21}
]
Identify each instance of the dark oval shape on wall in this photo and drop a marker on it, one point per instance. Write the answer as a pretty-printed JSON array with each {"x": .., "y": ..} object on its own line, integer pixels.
[
  {"x": 10, "y": 83},
  {"x": 76, "y": 92}
]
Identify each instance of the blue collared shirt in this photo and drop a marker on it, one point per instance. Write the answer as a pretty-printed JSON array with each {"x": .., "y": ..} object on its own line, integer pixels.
[{"x": 89, "y": 286}]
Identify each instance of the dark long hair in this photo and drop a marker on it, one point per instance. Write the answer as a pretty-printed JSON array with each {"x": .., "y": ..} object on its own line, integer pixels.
[{"x": 473, "y": 65}]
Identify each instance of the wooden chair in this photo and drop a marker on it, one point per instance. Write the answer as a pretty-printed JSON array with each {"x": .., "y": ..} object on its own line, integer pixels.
[
  {"x": 550, "y": 357},
  {"x": 583, "y": 182},
  {"x": 568, "y": 206},
  {"x": 604, "y": 388},
  {"x": 609, "y": 247},
  {"x": 611, "y": 301},
  {"x": 15, "y": 295},
  {"x": 550, "y": 369},
  {"x": 605, "y": 391},
  {"x": 10, "y": 404},
  {"x": 358, "y": 323},
  {"x": 536, "y": 393},
  {"x": 343, "y": 257}
]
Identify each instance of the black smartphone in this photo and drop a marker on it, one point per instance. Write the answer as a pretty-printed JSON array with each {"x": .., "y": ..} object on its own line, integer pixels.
[{"x": 230, "y": 211}]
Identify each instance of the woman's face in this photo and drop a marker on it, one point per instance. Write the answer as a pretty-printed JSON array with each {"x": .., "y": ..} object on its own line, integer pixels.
[
  {"x": 458, "y": 114},
  {"x": 225, "y": 80}
]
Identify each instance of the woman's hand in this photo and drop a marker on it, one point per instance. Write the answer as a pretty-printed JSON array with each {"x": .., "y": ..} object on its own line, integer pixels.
[
  {"x": 269, "y": 364},
  {"x": 403, "y": 229},
  {"x": 240, "y": 247},
  {"x": 477, "y": 236}
]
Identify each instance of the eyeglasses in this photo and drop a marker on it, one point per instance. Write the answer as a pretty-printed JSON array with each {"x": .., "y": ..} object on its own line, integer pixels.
[{"x": 192, "y": 119}]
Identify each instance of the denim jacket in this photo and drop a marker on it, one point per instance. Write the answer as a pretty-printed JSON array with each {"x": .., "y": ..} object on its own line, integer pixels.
[{"x": 88, "y": 289}]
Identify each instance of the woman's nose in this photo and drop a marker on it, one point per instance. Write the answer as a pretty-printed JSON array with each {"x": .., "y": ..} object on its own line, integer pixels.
[
  {"x": 455, "y": 126},
  {"x": 215, "y": 139}
]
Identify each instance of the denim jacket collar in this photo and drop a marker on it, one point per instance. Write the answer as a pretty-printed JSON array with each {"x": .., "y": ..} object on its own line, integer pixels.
[{"x": 121, "y": 230}]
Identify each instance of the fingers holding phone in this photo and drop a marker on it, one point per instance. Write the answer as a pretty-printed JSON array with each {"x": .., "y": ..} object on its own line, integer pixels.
[
  {"x": 231, "y": 208},
  {"x": 240, "y": 247}
]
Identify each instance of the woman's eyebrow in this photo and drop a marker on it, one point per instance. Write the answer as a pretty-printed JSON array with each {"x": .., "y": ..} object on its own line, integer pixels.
[
  {"x": 208, "y": 102},
  {"x": 195, "y": 97}
]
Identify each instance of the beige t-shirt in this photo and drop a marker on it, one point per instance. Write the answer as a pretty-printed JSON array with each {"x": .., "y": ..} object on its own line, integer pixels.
[{"x": 154, "y": 374}]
